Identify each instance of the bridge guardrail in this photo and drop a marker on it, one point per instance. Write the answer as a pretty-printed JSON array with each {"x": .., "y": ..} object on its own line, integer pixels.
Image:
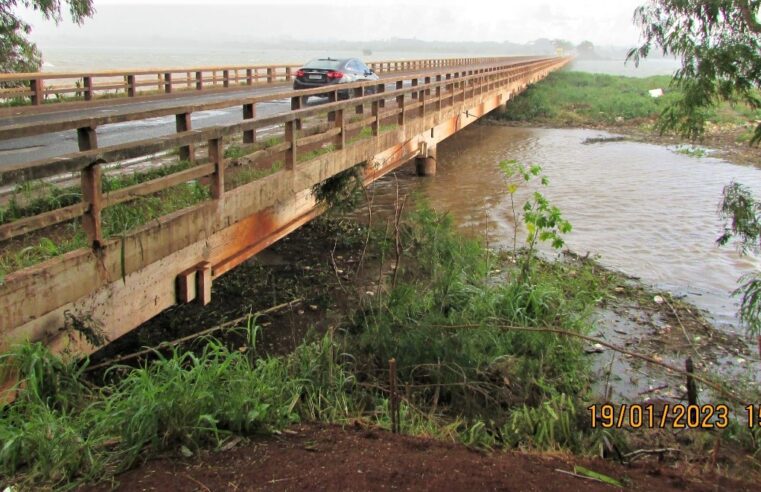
[
  {"x": 45, "y": 87},
  {"x": 89, "y": 160}
]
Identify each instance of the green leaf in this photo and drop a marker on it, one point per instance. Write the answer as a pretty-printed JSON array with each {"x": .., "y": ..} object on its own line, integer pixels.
[{"x": 580, "y": 470}]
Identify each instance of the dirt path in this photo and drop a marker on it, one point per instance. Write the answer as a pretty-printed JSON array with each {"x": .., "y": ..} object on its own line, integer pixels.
[{"x": 325, "y": 457}]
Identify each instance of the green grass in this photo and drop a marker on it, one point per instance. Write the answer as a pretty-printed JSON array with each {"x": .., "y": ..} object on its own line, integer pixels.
[
  {"x": 312, "y": 154},
  {"x": 689, "y": 151},
  {"x": 247, "y": 174},
  {"x": 578, "y": 98}
]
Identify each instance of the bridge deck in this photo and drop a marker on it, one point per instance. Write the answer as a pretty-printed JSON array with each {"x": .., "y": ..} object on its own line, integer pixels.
[{"x": 123, "y": 281}]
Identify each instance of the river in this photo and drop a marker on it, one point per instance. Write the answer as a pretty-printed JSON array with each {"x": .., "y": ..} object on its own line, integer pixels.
[{"x": 643, "y": 209}]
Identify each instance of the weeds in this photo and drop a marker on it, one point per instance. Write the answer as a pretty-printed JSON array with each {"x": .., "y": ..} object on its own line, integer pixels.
[{"x": 578, "y": 98}]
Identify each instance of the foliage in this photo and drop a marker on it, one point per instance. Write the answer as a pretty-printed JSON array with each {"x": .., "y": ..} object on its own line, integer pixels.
[
  {"x": 742, "y": 215},
  {"x": 578, "y": 98},
  {"x": 543, "y": 221},
  {"x": 181, "y": 401},
  {"x": 719, "y": 43},
  {"x": 342, "y": 191},
  {"x": 17, "y": 52}
]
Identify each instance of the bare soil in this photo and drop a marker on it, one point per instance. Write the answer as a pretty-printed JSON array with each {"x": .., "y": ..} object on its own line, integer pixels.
[{"x": 328, "y": 457}]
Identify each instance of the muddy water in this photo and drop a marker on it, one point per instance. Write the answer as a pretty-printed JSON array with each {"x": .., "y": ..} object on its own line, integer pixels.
[{"x": 643, "y": 209}]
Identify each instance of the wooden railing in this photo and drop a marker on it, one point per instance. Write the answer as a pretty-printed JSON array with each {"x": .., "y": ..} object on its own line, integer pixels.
[
  {"x": 51, "y": 87},
  {"x": 423, "y": 93}
]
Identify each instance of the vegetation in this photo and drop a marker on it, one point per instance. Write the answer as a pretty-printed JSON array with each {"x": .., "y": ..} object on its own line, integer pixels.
[
  {"x": 584, "y": 99},
  {"x": 17, "y": 52},
  {"x": 709, "y": 36},
  {"x": 742, "y": 215}
]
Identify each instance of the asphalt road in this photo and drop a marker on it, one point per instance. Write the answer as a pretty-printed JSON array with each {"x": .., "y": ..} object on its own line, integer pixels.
[{"x": 51, "y": 145}]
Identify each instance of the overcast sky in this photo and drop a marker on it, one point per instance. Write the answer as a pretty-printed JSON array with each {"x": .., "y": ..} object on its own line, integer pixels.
[{"x": 604, "y": 22}]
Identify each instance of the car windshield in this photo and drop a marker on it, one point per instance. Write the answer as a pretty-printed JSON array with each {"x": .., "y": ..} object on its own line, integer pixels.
[{"x": 324, "y": 63}]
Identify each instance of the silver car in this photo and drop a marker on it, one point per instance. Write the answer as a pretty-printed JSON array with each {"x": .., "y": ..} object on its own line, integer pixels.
[{"x": 323, "y": 72}]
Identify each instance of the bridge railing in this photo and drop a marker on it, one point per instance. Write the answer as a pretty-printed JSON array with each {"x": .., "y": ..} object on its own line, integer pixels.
[
  {"x": 413, "y": 94},
  {"x": 53, "y": 87}
]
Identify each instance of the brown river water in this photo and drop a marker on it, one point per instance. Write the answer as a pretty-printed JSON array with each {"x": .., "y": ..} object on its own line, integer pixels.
[{"x": 642, "y": 209}]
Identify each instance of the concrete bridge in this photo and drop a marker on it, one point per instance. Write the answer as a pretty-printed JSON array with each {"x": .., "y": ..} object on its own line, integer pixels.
[{"x": 259, "y": 166}]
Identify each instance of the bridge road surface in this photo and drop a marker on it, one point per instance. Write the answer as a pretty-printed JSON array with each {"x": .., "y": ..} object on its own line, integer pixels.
[{"x": 50, "y": 145}]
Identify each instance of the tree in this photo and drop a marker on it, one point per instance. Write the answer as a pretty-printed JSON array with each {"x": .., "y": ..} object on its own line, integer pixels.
[
  {"x": 719, "y": 44},
  {"x": 17, "y": 52}
]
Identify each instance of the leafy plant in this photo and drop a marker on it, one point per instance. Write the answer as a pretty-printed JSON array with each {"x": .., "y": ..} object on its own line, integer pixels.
[
  {"x": 544, "y": 222},
  {"x": 741, "y": 213}
]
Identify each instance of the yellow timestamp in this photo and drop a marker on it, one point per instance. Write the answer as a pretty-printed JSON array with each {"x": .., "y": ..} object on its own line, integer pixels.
[
  {"x": 754, "y": 415},
  {"x": 673, "y": 416}
]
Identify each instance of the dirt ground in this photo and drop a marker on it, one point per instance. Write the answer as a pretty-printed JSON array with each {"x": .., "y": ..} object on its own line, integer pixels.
[{"x": 328, "y": 457}]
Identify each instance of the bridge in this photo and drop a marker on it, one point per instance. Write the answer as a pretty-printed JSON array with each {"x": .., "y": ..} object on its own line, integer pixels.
[{"x": 252, "y": 164}]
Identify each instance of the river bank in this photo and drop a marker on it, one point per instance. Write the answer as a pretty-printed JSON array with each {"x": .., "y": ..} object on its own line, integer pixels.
[{"x": 622, "y": 105}]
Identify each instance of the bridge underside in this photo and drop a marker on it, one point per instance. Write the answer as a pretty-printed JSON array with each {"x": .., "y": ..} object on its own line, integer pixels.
[{"x": 129, "y": 280}]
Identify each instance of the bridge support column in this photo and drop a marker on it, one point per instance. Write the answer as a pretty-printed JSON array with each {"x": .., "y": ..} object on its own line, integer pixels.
[{"x": 426, "y": 163}]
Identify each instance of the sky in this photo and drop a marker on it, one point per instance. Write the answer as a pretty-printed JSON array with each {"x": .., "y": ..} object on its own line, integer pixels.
[{"x": 604, "y": 22}]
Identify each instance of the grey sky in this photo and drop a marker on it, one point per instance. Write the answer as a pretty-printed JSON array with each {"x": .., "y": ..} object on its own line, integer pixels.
[{"x": 604, "y": 22}]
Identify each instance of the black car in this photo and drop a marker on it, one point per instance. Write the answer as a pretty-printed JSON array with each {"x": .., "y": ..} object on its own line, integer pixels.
[{"x": 322, "y": 72}]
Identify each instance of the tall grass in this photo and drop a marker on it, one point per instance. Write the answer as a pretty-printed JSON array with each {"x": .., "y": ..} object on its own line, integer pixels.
[
  {"x": 61, "y": 432},
  {"x": 584, "y": 98},
  {"x": 579, "y": 98}
]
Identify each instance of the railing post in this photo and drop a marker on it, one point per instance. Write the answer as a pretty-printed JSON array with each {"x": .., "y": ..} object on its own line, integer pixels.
[
  {"x": 131, "y": 86},
  {"x": 249, "y": 76},
  {"x": 414, "y": 84},
  {"x": 438, "y": 94},
  {"x": 422, "y": 104},
  {"x": 37, "y": 86},
  {"x": 92, "y": 196},
  {"x": 199, "y": 81},
  {"x": 359, "y": 92},
  {"x": 291, "y": 153},
  {"x": 249, "y": 112},
  {"x": 376, "y": 119},
  {"x": 400, "y": 103},
  {"x": 225, "y": 78},
  {"x": 296, "y": 104},
  {"x": 184, "y": 124},
  {"x": 428, "y": 89},
  {"x": 270, "y": 75},
  {"x": 87, "y": 83},
  {"x": 340, "y": 123},
  {"x": 332, "y": 97},
  {"x": 288, "y": 76},
  {"x": 217, "y": 157},
  {"x": 87, "y": 138},
  {"x": 168, "y": 83},
  {"x": 380, "y": 89}
]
